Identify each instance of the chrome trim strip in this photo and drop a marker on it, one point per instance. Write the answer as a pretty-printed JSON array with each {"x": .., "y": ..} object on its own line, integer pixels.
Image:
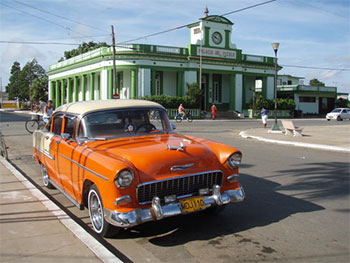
[
  {"x": 157, "y": 211},
  {"x": 66, "y": 195},
  {"x": 181, "y": 167},
  {"x": 46, "y": 154},
  {"x": 82, "y": 166}
]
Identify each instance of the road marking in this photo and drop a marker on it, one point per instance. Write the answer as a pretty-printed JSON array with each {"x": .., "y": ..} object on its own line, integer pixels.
[
  {"x": 245, "y": 135},
  {"x": 99, "y": 250}
]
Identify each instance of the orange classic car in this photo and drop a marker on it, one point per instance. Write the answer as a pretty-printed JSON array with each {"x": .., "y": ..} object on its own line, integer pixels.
[{"x": 122, "y": 160}]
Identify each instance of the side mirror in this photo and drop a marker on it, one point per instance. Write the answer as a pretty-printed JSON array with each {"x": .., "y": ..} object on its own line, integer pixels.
[{"x": 65, "y": 136}]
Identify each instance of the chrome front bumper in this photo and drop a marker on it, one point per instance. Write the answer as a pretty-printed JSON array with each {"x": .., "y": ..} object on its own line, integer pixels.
[{"x": 158, "y": 211}]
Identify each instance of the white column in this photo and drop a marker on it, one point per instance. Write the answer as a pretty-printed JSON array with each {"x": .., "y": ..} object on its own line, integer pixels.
[
  {"x": 144, "y": 83},
  {"x": 238, "y": 92},
  {"x": 104, "y": 84}
]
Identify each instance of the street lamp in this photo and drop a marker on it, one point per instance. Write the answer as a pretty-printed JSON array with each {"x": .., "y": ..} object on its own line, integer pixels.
[{"x": 275, "y": 48}]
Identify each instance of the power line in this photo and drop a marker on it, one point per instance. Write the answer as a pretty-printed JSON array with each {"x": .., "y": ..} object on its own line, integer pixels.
[
  {"x": 249, "y": 7},
  {"x": 37, "y": 43},
  {"x": 62, "y": 17},
  {"x": 56, "y": 43},
  {"x": 183, "y": 26},
  {"x": 48, "y": 21},
  {"x": 296, "y": 66}
]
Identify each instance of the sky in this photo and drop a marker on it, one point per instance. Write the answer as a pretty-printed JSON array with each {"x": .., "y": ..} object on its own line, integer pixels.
[{"x": 314, "y": 35}]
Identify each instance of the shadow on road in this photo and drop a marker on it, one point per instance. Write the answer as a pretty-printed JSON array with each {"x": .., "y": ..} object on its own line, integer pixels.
[
  {"x": 319, "y": 180},
  {"x": 263, "y": 206}
]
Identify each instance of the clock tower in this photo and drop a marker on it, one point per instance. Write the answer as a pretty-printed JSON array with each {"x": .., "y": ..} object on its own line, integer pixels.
[{"x": 212, "y": 32}]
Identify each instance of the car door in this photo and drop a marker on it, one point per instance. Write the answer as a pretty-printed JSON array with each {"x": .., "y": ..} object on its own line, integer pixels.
[
  {"x": 348, "y": 114},
  {"x": 51, "y": 143},
  {"x": 66, "y": 166}
]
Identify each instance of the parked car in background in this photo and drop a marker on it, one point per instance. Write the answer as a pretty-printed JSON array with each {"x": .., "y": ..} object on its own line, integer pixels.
[
  {"x": 128, "y": 168},
  {"x": 338, "y": 114}
]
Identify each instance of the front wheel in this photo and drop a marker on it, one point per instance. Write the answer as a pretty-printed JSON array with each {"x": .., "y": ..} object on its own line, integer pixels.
[
  {"x": 189, "y": 118},
  {"x": 95, "y": 206},
  {"x": 178, "y": 118},
  {"x": 339, "y": 118},
  {"x": 31, "y": 125}
]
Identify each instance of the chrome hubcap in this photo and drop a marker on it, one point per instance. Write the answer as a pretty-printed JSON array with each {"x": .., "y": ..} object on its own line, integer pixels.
[
  {"x": 95, "y": 209},
  {"x": 45, "y": 175}
]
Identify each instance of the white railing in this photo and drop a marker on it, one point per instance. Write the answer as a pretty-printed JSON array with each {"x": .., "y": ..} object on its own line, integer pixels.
[
  {"x": 254, "y": 58},
  {"x": 173, "y": 50},
  {"x": 193, "y": 112}
]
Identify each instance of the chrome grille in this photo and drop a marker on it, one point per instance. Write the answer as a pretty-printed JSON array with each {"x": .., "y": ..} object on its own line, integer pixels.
[{"x": 179, "y": 186}]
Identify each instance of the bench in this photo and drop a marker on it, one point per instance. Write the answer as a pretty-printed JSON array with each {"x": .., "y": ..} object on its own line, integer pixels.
[{"x": 289, "y": 128}]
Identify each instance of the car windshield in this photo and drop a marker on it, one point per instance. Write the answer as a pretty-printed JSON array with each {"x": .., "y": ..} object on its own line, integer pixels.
[
  {"x": 124, "y": 122},
  {"x": 336, "y": 110}
]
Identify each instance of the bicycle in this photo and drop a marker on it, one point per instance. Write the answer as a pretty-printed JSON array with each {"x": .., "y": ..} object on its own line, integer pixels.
[
  {"x": 35, "y": 123},
  {"x": 3, "y": 147},
  {"x": 186, "y": 116}
]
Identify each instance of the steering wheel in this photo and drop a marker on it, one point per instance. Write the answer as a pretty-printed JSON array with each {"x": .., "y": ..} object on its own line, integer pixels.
[{"x": 150, "y": 126}]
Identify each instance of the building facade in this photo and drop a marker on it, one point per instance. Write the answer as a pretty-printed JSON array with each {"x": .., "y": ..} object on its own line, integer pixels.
[
  {"x": 226, "y": 75},
  {"x": 309, "y": 99}
]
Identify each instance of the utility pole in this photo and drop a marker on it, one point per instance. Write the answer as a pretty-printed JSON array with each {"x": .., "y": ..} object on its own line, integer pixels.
[{"x": 114, "y": 67}]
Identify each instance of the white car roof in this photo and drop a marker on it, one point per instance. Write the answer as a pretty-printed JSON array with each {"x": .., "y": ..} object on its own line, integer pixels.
[{"x": 83, "y": 107}]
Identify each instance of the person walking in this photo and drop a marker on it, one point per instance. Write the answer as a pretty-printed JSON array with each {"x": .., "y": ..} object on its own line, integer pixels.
[
  {"x": 264, "y": 115},
  {"x": 213, "y": 111}
]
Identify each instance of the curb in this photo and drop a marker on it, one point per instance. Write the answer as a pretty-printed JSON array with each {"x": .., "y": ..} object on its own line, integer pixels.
[
  {"x": 245, "y": 135},
  {"x": 99, "y": 250}
]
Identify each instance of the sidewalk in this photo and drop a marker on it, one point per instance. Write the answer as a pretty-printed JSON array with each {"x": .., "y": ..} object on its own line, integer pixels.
[
  {"x": 333, "y": 138},
  {"x": 29, "y": 232}
]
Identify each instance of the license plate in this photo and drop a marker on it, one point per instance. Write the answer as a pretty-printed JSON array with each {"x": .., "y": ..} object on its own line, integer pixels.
[{"x": 192, "y": 204}]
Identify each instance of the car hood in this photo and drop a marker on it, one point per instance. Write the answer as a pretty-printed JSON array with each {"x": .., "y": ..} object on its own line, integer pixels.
[{"x": 162, "y": 156}]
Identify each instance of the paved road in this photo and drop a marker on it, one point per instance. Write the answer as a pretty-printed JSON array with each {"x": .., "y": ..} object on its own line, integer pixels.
[{"x": 297, "y": 206}]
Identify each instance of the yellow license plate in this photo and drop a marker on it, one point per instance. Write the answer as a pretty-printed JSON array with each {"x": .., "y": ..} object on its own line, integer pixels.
[{"x": 192, "y": 205}]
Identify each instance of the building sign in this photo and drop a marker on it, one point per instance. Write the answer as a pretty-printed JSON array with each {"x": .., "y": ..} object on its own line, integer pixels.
[{"x": 212, "y": 52}]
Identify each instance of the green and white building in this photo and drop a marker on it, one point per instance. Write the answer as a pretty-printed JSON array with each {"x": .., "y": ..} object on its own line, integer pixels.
[
  {"x": 227, "y": 75},
  {"x": 308, "y": 99}
]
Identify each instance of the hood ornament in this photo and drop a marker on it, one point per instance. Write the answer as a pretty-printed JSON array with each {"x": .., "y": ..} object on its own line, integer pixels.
[
  {"x": 181, "y": 147},
  {"x": 181, "y": 167}
]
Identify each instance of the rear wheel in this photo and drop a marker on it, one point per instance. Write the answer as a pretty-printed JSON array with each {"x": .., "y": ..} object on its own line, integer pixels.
[
  {"x": 95, "y": 206},
  {"x": 339, "y": 118},
  {"x": 189, "y": 118},
  {"x": 31, "y": 125},
  {"x": 46, "y": 177}
]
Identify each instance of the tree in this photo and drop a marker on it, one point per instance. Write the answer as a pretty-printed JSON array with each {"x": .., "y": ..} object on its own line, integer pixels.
[
  {"x": 39, "y": 88},
  {"x": 194, "y": 93},
  {"x": 30, "y": 72},
  {"x": 342, "y": 103},
  {"x": 21, "y": 81},
  {"x": 83, "y": 48},
  {"x": 316, "y": 83},
  {"x": 14, "y": 86}
]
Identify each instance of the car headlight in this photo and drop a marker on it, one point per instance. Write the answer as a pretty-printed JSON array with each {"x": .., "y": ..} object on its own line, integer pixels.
[
  {"x": 124, "y": 178},
  {"x": 234, "y": 160}
]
